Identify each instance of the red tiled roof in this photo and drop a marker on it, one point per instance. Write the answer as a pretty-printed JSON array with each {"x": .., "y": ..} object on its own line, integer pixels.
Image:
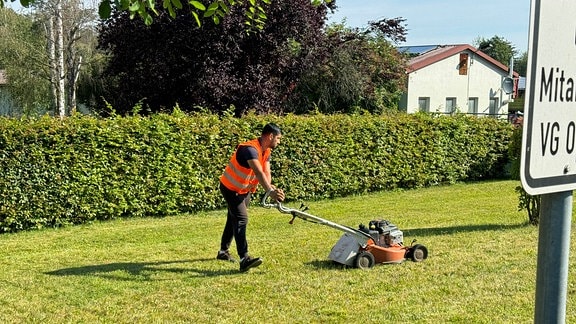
[{"x": 445, "y": 51}]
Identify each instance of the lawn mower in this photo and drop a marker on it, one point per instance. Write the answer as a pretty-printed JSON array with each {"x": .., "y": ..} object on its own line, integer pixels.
[{"x": 380, "y": 242}]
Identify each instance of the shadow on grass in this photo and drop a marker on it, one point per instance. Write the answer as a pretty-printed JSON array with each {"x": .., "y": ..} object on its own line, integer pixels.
[
  {"x": 139, "y": 271},
  {"x": 326, "y": 264},
  {"x": 459, "y": 229}
]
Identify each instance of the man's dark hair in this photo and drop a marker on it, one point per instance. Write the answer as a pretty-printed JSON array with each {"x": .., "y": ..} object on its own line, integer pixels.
[{"x": 271, "y": 128}]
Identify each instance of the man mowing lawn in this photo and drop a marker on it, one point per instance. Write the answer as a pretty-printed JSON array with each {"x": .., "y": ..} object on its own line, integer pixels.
[{"x": 248, "y": 166}]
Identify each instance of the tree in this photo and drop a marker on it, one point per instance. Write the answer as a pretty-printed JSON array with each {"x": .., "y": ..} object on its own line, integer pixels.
[
  {"x": 498, "y": 48},
  {"x": 521, "y": 64},
  {"x": 173, "y": 61},
  {"x": 255, "y": 12},
  {"x": 23, "y": 57},
  {"x": 43, "y": 53},
  {"x": 360, "y": 69},
  {"x": 90, "y": 85},
  {"x": 67, "y": 24}
]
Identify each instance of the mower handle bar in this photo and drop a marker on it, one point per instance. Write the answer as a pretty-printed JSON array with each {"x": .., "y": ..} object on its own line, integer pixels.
[
  {"x": 361, "y": 237},
  {"x": 278, "y": 205}
]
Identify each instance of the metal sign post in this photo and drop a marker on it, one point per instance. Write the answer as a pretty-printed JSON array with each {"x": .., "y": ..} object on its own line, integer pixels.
[{"x": 553, "y": 251}]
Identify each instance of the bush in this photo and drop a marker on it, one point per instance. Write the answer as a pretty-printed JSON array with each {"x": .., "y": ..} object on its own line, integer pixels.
[
  {"x": 81, "y": 169},
  {"x": 330, "y": 156},
  {"x": 525, "y": 200}
]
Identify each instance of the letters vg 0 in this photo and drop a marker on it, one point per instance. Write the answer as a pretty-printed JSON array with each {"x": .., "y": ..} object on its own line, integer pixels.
[{"x": 555, "y": 138}]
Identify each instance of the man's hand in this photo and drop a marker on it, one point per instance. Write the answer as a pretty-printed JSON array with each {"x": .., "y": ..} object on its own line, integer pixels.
[{"x": 277, "y": 195}]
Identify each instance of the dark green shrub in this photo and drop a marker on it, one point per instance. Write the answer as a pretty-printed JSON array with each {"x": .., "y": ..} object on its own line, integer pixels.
[
  {"x": 329, "y": 156},
  {"x": 81, "y": 169}
]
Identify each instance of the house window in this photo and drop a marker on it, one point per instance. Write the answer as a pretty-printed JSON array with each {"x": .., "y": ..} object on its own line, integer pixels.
[
  {"x": 493, "y": 108},
  {"x": 424, "y": 104},
  {"x": 450, "y": 105},
  {"x": 473, "y": 105}
]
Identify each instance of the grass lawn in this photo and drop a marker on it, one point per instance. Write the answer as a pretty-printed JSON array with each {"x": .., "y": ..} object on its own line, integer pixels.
[{"x": 481, "y": 267}]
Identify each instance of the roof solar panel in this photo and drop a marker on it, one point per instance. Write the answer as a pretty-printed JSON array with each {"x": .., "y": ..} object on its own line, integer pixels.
[{"x": 416, "y": 50}]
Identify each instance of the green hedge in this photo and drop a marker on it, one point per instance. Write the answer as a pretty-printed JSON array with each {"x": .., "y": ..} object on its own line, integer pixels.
[{"x": 72, "y": 171}]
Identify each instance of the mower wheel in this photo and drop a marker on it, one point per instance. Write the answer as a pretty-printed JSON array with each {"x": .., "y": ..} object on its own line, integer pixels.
[
  {"x": 364, "y": 260},
  {"x": 418, "y": 253}
]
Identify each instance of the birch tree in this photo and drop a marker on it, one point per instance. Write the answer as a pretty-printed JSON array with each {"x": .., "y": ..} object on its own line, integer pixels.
[
  {"x": 55, "y": 48},
  {"x": 65, "y": 22}
]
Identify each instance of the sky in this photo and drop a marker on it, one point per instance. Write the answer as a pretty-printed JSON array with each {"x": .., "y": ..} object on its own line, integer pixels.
[{"x": 441, "y": 22}]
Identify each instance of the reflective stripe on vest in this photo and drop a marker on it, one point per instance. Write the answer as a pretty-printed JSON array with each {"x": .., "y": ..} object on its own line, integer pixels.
[{"x": 238, "y": 178}]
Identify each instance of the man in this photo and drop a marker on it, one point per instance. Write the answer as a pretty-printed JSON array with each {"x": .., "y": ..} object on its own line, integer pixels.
[{"x": 248, "y": 167}]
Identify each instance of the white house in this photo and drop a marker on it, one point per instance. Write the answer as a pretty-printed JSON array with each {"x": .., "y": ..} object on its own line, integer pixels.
[{"x": 451, "y": 78}]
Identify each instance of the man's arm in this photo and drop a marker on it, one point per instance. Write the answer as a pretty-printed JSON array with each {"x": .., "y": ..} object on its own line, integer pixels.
[
  {"x": 260, "y": 173},
  {"x": 267, "y": 172},
  {"x": 264, "y": 179}
]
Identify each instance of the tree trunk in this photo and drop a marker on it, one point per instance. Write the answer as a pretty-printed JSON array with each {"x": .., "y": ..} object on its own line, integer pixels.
[
  {"x": 73, "y": 74},
  {"x": 51, "y": 41},
  {"x": 73, "y": 65},
  {"x": 59, "y": 51}
]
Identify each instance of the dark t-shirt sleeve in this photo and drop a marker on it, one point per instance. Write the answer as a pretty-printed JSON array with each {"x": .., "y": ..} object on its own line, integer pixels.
[{"x": 246, "y": 153}]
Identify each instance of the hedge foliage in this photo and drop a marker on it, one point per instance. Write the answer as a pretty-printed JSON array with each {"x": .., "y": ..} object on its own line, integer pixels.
[{"x": 80, "y": 169}]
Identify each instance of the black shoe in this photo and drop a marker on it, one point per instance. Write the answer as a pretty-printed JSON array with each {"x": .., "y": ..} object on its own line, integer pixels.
[
  {"x": 225, "y": 256},
  {"x": 249, "y": 262}
]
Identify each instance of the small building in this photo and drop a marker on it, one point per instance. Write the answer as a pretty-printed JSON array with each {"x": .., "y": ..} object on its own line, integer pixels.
[
  {"x": 457, "y": 78},
  {"x": 6, "y": 103},
  {"x": 3, "y": 78}
]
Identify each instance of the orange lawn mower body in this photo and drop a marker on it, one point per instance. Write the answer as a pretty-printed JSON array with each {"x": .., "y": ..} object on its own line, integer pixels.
[{"x": 380, "y": 242}]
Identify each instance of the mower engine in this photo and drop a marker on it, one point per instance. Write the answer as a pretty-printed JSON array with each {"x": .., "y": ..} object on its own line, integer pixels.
[{"x": 384, "y": 233}]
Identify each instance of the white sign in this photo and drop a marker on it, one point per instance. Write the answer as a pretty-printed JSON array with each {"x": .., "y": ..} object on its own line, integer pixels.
[{"x": 549, "y": 140}]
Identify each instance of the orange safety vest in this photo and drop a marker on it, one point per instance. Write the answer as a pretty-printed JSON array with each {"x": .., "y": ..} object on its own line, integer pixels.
[{"x": 240, "y": 179}]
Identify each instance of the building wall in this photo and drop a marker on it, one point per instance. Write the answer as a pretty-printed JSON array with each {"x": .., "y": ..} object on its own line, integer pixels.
[{"x": 442, "y": 79}]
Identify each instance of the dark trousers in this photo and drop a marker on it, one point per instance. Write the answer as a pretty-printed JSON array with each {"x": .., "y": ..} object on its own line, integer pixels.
[{"x": 236, "y": 221}]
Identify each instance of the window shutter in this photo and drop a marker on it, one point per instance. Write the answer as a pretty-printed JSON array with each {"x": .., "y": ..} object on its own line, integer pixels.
[{"x": 463, "y": 66}]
